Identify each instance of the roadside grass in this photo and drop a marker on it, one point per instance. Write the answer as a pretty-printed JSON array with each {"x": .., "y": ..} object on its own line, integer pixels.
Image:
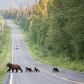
[
  {"x": 44, "y": 56},
  {"x": 5, "y": 56}
]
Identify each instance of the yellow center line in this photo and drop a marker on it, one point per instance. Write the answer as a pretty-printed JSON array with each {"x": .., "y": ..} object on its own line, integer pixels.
[{"x": 47, "y": 71}]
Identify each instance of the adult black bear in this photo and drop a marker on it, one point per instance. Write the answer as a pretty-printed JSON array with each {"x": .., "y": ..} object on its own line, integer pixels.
[
  {"x": 28, "y": 69},
  {"x": 35, "y": 69},
  {"x": 14, "y": 66},
  {"x": 55, "y": 69}
]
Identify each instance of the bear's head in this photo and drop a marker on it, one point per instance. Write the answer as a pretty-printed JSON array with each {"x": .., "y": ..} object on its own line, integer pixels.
[{"x": 8, "y": 65}]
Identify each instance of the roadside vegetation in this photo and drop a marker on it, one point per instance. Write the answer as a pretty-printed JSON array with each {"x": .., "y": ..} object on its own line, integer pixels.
[
  {"x": 53, "y": 31},
  {"x": 45, "y": 56},
  {"x": 5, "y": 48}
]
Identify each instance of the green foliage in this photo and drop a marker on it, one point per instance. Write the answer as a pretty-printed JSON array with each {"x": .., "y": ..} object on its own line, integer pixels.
[
  {"x": 43, "y": 29},
  {"x": 55, "y": 25},
  {"x": 66, "y": 28},
  {"x": 0, "y": 23},
  {"x": 5, "y": 48},
  {"x": 45, "y": 55},
  {"x": 10, "y": 13}
]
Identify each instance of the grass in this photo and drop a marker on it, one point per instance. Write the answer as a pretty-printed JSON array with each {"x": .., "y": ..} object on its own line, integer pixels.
[
  {"x": 5, "y": 56},
  {"x": 43, "y": 55}
]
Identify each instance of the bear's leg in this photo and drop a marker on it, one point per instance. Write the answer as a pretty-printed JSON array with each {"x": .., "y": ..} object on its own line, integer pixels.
[
  {"x": 20, "y": 69},
  {"x": 38, "y": 70},
  {"x": 30, "y": 70},
  {"x": 26, "y": 70},
  {"x": 9, "y": 69},
  {"x": 16, "y": 70},
  {"x": 12, "y": 70},
  {"x": 53, "y": 70}
]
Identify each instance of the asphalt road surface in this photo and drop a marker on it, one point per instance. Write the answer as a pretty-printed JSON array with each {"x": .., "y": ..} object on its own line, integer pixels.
[{"x": 22, "y": 57}]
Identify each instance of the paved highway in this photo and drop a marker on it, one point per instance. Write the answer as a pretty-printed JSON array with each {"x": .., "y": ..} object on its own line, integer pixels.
[{"x": 22, "y": 57}]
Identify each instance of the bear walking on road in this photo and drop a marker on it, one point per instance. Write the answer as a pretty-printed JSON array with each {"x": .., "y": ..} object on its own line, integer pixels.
[
  {"x": 28, "y": 69},
  {"x": 36, "y": 69},
  {"x": 55, "y": 69},
  {"x": 13, "y": 66}
]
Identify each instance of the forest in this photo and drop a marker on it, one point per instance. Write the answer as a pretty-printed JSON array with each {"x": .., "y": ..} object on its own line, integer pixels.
[
  {"x": 55, "y": 25},
  {"x": 5, "y": 46}
]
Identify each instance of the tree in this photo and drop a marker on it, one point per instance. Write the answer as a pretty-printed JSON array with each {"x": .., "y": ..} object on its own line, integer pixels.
[{"x": 21, "y": 11}]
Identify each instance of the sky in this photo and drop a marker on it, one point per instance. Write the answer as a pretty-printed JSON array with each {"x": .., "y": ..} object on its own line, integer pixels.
[{"x": 15, "y": 3}]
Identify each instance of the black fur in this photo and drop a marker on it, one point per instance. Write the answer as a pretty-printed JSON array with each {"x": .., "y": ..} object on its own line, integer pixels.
[
  {"x": 28, "y": 69},
  {"x": 55, "y": 69},
  {"x": 35, "y": 69}
]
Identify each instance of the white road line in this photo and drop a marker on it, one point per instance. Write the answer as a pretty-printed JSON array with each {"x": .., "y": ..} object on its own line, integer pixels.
[{"x": 12, "y": 62}]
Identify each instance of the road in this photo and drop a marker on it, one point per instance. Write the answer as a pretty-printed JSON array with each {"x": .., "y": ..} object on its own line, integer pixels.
[{"x": 22, "y": 57}]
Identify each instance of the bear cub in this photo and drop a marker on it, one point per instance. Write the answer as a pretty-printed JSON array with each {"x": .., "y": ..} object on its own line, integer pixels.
[
  {"x": 55, "y": 69},
  {"x": 28, "y": 69}
]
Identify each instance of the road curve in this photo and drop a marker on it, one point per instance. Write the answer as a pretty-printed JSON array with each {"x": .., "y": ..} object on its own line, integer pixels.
[{"x": 22, "y": 57}]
